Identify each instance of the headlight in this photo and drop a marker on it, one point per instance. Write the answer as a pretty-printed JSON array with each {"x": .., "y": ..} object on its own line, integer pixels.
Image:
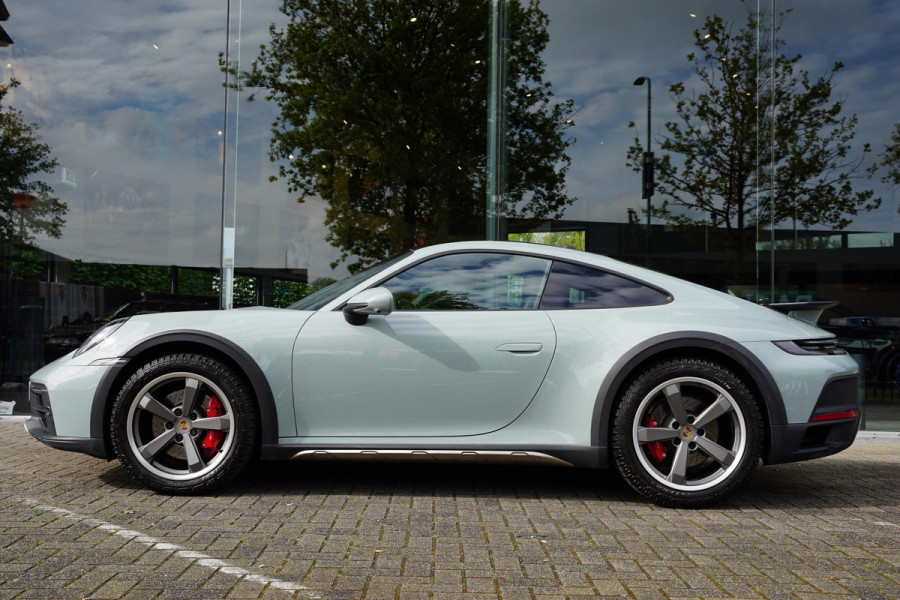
[
  {"x": 100, "y": 335},
  {"x": 827, "y": 346}
]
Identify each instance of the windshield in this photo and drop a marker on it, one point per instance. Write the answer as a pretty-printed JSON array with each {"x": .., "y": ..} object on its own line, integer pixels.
[{"x": 318, "y": 299}]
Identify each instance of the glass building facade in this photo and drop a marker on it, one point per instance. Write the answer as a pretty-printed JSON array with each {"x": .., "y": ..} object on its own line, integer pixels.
[{"x": 177, "y": 155}]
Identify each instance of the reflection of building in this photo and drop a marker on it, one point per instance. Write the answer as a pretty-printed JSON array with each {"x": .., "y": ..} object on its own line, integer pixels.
[
  {"x": 859, "y": 269},
  {"x": 5, "y": 40}
]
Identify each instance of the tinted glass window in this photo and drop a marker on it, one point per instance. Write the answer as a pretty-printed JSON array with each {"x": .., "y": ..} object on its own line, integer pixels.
[
  {"x": 471, "y": 282},
  {"x": 317, "y": 300},
  {"x": 576, "y": 286}
]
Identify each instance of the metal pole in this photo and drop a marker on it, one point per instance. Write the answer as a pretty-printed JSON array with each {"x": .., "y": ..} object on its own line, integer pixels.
[
  {"x": 647, "y": 182},
  {"x": 774, "y": 108},
  {"x": 226, "y": 270},
  {"x": 496, "y": 122},
  {"x": 648, "y": 166}
]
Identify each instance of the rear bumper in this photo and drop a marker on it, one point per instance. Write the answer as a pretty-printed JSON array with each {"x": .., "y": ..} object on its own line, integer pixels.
[{"x": 803, "y": 441}]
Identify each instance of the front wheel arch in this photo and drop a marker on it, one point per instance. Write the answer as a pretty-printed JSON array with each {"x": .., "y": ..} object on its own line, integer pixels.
[
  {"x": 185, "y": 423},
  {"x": 176, "y": 342}
]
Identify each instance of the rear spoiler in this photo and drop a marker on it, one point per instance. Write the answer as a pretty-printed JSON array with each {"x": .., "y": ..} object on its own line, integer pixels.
[{"x": 804, "y": 311}]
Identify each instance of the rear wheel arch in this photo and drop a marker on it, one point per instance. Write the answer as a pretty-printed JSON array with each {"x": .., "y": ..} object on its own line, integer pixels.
[
  {"x": 701, "y": 345},
  {"x": 181, "y": 342}
]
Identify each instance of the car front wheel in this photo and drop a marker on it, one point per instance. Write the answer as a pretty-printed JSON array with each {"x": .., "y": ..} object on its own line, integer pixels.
[
  {"x": 686, "y": 433},
  {"x": 184, "y": 423}
]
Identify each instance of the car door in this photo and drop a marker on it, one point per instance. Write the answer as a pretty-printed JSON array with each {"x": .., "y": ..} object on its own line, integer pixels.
[{"x": 463, "y": 353}]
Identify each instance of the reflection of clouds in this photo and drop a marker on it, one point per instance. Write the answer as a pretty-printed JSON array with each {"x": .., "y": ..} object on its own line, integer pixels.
[
  {"x": 597, "y": 49},
  {"x": 108, "y": 102},
  {"x": 98, "y": 54},
  {"x": 480, "y": 279},
  {"x": 111, "y": 105}
]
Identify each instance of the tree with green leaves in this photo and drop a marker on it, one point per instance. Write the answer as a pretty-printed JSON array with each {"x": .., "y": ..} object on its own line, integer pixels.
[
  {"x": 890, "y": 159},
  {"x": 716, "y": 166},
  {"x": 383, "y": 113},
  {"x": 23, "y": 157}
]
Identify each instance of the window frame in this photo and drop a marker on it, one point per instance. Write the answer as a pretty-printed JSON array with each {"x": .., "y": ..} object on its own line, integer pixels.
[
  {"x": 668, "y": 298},
  {"x": 540, "y": 292}
]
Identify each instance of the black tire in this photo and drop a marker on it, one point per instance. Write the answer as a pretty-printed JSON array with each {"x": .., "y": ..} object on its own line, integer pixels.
[
  {"x": 686, "y": 433},
  {"x": 889, "y": 369},
  {"x": 185, "y": 424}
]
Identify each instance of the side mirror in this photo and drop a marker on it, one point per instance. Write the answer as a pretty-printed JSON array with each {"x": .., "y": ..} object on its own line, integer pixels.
[{"x": 375, "y": 301}]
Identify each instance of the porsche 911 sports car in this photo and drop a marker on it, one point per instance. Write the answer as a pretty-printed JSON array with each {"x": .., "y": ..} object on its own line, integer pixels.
[{"x": 474, "y": 350}]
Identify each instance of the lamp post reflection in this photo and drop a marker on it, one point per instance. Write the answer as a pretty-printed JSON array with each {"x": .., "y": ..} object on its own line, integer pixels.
[{"x": 647, "y": 179}]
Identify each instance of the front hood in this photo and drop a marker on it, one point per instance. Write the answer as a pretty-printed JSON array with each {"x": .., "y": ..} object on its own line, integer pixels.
[{"x": 246, "y": 327}]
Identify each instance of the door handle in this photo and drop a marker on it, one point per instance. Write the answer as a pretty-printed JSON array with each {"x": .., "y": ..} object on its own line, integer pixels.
[{"x": 521, "y": 347}]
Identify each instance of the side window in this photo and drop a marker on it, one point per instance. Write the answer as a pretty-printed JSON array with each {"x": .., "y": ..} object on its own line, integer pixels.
[
  {"x": 577, "y": 286},
  {"x": 471, "y": 281}
]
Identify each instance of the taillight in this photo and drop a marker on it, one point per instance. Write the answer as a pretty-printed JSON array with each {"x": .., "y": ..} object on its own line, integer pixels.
[{"x": 834, "y": 416}]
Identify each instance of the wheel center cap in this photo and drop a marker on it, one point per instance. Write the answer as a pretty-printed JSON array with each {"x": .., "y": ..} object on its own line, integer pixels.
[
  {"x": 687, "y": 433},
  {"x": 183, "y": 424}
]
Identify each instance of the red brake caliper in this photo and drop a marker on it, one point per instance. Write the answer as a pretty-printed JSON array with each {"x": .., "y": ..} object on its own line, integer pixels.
[
  {"x": 656, "y": 449},
  {"x": 209, "y": 445}
]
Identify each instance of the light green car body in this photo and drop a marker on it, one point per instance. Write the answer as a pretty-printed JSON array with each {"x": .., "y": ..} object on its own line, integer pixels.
[{"x": 456, "y": 380}]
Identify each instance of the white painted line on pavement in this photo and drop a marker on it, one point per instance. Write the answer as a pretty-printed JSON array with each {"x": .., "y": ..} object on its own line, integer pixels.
[{"x": 157, "y": 544}]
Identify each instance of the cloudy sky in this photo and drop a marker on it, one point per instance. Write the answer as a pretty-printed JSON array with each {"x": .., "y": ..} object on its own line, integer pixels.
[
  {"x": 598, "y": 49},
  {"x": 130, "y": 97}
]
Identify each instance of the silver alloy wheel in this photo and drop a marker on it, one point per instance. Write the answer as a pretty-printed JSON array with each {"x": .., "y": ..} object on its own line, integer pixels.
[
  {"x": 689, "y": 434},
  {"x": 167, "y": 419}
]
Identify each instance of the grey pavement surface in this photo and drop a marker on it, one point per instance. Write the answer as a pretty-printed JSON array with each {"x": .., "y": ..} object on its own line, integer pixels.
[{"x": 72, "y": 526}]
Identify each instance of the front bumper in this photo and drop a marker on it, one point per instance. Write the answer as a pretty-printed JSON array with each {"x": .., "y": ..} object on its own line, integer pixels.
[
  {"x": 42, "y": 426},
  {"x": 91, "y": 446},
  {"x": 803, "y": 441}
]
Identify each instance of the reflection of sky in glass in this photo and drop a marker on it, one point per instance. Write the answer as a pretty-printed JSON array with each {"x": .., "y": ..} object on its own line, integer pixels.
[
  {"x": 488, "y": 281},
  {"x": 129, "y": 97},
  {"x": 598, "y": 49},
  {"x": 575, "y": 286},
  {"x": 121, "y": 97}
]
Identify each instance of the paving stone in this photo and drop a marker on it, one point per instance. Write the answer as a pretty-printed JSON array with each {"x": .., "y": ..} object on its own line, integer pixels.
[{"x": 821, "y": 529}]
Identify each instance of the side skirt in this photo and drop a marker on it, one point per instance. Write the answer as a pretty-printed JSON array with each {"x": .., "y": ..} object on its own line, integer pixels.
[{"x": 568, "y": 456}]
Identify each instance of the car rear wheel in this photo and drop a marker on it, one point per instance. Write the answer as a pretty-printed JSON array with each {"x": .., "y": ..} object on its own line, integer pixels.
[
  {"x": 184, "y": 423},
  {"x": 686, "y": 433}
]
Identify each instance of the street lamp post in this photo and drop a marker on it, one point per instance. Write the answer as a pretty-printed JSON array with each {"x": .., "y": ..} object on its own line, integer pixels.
[{"x": 647, "y": 180}]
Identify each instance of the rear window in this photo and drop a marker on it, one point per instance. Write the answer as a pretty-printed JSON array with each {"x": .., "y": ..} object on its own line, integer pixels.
[{"x": 578, "y": 286}]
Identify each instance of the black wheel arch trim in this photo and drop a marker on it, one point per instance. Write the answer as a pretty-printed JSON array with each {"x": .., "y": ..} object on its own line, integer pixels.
[
  {"x": 105, "y": 392},
  {"x": 685, "y": 341}
]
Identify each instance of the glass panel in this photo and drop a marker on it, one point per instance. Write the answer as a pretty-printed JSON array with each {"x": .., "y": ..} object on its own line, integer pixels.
[
  {"x": 624, "y": 85},
  {"x": 361, "y": 132},
  {"x": 860, "y": 206},
  {"x": 751, "y": 111},
  {"x": 471, "y": 282},
  {"x": 576, "y": 286},
  {"x": 323, "y": 296},
  {"x": 116, "y": 109}
]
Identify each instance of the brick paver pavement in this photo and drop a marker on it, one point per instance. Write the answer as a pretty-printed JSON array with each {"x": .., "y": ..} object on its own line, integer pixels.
[{"x": 75, "y": 527}]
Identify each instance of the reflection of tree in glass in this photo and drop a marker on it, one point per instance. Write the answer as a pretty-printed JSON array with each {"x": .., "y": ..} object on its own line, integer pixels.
[
  {"x": 429, "y": 299},
  {"x": 22, "y": 157},
  {"x": 890, "y": 159},
  {"x": 384, "y": 114},
  {"x": 724, "y": 137},
  {"x": 560, "y": 239}
]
